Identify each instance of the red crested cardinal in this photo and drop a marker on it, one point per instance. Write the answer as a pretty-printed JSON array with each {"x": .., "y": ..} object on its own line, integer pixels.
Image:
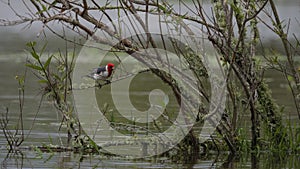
[{"x": 102, "y": 73}]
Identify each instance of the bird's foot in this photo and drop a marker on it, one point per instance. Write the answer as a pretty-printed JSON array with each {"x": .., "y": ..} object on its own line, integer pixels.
[{"x": 98, "y": 85}]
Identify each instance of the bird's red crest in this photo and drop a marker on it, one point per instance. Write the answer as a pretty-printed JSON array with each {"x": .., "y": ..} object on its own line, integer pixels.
[{"x": 110, "y": 66}]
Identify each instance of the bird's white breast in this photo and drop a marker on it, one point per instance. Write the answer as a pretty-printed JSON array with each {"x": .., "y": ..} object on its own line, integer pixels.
[{"x": 101, "y": 75}]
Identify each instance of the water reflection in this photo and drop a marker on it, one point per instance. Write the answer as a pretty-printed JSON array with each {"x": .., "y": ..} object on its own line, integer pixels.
[
  {"x": 13, "y": 159},
  {"x": 30, "y": 159}
]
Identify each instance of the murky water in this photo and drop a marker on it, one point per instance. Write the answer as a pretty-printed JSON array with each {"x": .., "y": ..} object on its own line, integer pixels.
[
  {"x": 30, "y": 159},
  {"x": 46, "y": 131}
]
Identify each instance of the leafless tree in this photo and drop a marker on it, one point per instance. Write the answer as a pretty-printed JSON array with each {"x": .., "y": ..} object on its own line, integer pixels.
[{"x": 230, "y": 26}]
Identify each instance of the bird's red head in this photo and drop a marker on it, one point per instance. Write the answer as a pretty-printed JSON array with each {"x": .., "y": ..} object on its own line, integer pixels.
[{"x": 110, "y": 68}]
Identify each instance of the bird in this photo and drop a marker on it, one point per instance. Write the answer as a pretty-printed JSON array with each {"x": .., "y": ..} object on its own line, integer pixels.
[{"x": 102, "y": 72}]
